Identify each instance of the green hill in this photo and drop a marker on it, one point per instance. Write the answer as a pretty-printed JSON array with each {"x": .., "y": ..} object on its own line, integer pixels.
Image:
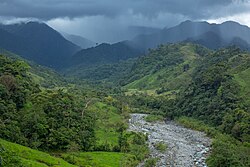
[
  {"x": 209, "y": 85},
  {"x": 167, "y": 68},
  {"x": 187, "y": 80}
]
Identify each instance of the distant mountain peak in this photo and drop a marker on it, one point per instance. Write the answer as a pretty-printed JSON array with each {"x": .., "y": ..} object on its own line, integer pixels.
[
  {"x": 188, "y": 22},
  {"x": 231, "y": 22},
  {"x": 215, "y": 35},
  {"x": 38, "y": 42}
]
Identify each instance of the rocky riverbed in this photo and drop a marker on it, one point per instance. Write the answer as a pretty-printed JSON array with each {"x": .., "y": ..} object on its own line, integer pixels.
[{"x": 185, "y": 147}]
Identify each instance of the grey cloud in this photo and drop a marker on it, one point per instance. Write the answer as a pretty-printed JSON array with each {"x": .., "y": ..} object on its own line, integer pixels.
[
  {"x": 49, "y": 9},
  {"x": 107, "y": 20}
]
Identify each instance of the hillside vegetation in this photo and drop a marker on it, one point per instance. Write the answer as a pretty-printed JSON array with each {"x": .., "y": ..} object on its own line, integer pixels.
[
  {"x": 66, "y": 121},
  {"x": 168, "y": 67},
  {"x": 16, "y": 155},
  {"x": 84, "y": 123},
  {"x": 206, "y": 84},
  {"x": 212, "y": 88}
]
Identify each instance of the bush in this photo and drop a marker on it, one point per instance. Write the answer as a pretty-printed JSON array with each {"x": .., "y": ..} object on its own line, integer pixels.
[
  {"x": 154, "y": 118},
  {"x": 226, "y": 151},
  {"x": 151, "y": 162},
  {"x": 161, "y": 146}
]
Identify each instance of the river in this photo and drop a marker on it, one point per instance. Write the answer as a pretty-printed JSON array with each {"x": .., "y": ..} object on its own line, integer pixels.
[{"x": 185, "y": 147}]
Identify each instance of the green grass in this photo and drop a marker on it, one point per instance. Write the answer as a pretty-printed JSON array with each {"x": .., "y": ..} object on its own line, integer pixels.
[
  {"x": 154, "y": 118},
  {"x": 243, "y": 79},
  {"x": 151, "y": 162},
  {"x": 107, "y": 120},
  {"x": 98, "y": 159},
  {"x": 161, "y": 146},
  {"x": 37, "y": 79},
  {"x": 172, "y": 79},
  {"x": 131, "y": 92},
  {"x": 189, "y": 51},
  {"x": 30, "y": 157},
  {"x": 33, "y": 158}
]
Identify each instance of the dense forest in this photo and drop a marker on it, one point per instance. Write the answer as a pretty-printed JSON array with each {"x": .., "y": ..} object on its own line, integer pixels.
[{"x": 63, "y": 118}]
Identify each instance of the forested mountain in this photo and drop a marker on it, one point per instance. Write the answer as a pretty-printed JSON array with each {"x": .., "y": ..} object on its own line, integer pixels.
[
  {"x": 37, "y": 42},
  {"x": 104, "y": 54},
  {"x": 213, "y": 36},
  {"x": 146, "y": 71},
  {"x": 191, "y": 73},
  {"x": 43, "y": 45},
  {"x": 188, "y": 80},
  {"x": 86, "y": 111}
]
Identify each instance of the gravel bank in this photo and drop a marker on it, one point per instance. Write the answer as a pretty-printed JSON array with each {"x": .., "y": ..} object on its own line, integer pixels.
[{"x": 186, "y": 148}]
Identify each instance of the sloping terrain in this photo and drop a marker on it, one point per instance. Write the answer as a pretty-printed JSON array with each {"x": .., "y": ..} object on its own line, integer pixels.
[
  {"x": 82, "y": 126},
  {"x": 104, "y": 54},
  {"x": 16, "y": 155},
  {"x": 37, "y": 42},
  {"x": 168, "y": 68}
]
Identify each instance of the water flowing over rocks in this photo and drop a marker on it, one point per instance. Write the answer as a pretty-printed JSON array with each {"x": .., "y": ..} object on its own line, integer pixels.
[{"x": 186, "y": 147}]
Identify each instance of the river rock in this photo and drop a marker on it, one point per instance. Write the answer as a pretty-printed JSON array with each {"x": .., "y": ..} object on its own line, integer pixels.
[{"x": 186, "y": 147}]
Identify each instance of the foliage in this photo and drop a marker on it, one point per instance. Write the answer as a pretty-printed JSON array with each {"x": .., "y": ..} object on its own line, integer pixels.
[
  {"x": 228, "y": 152},
  {"x": 166, "y": 68},
  {"x": 154, "y": 118},
  {"x": 215, "y": 91},
  {"x": 214, "y": 94},
  {"x": 151, "y": 162},
  {"x": 161, "y": 146},
  {"x": 99, "y": 159},
  {"x": 40, "y": 119}
]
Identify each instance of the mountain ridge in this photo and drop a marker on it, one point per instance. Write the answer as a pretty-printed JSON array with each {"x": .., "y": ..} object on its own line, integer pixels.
[
  {"x": 38, "y": 42},
  {"x": 213, "y": 36},
  {"x": 189, "y": 29}
]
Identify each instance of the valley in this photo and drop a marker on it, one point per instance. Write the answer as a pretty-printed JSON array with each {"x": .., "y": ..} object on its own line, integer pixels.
[{"x": 143, "y": 102}]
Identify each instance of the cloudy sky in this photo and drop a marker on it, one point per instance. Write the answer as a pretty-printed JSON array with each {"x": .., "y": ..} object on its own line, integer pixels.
[{"x": 108, "y": 20}]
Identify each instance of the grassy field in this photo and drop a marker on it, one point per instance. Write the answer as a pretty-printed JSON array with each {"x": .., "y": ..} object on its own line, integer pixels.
[
  {"x": 243, "y": 79},
  {"x": 98, "y": 159},
  {"x": 32, "y": 158},
  {"x": 107, "y": 119},
  {"x": 29, "y": 157}
]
